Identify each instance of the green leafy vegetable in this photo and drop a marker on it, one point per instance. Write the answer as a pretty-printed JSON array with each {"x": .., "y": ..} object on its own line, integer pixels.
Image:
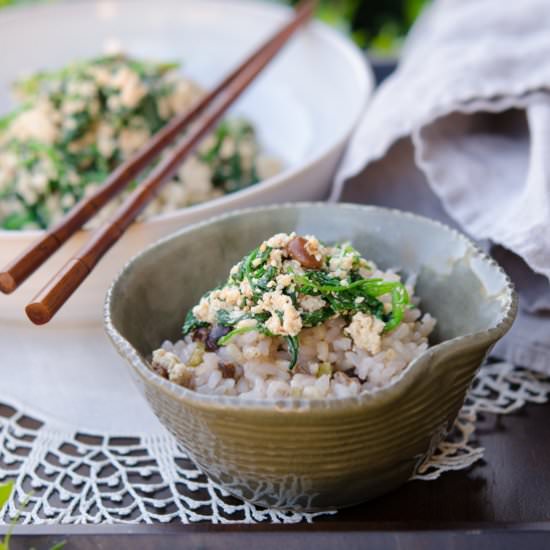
[
  {"x": 227, "y": 319},
  {"x": 293, "y": 349},
  {"x": 17, "y": 220},
  {"x": 342, "y": 296},
  {"x": 192, "y": 323},
  {"x": 359, "y": 295},
  {"x": 245, "y": 266},
  {"x": 96, "y": 130},
  {"x": 400, "y": 302},
  {"x": 231, "y": 172},
  {"x": 314, "y": 318},
  {"x": 224, "y": 340}
]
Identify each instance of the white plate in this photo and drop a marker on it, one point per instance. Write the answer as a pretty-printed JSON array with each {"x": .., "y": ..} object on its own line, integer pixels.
[{"x": 305, "y": 106}]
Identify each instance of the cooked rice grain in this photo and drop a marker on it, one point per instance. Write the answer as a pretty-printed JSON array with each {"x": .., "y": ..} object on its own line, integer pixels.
[{"x": 328, "y": 365}]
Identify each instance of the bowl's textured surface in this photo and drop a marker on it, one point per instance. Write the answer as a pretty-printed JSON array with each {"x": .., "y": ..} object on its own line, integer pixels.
[{"x": 315, "y": 454}]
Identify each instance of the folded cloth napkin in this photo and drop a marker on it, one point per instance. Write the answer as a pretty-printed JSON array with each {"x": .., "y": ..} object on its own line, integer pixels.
[{"x": 461, "y": 132}]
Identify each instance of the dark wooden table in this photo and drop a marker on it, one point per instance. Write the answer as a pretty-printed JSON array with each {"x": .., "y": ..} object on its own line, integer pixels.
[{"x": 502, "y": 503}]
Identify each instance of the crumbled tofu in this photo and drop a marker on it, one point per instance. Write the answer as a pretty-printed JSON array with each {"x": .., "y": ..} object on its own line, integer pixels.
[
  {"x": 246, "y": 289},
  {"x": 280, "y": 240},
  {"x": 37, "y": 123},
  {"x": 130, "y": 140},
  {"x": 284, "y": 320},
  {"x": 365, "y": 331},
  {"x": 228, "y": 298},
  {"x": 284, "y": 280},
  {"x": 129, "y": 84},
  {"x": 341, "y": 351},
  {"x": 311, "y": 303},
  {"x": 91, "y": 115},
  {"x": 203, "y": 311},
  {"x": 313, "y": 247},
  {"x": 230, "y": 294},
  {"x": 276, "y": 258},
  {"x": 177, "y": 371}
]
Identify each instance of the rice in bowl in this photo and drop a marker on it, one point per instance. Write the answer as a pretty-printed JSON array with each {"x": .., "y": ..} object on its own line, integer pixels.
[{"x": 301, "y": 319}]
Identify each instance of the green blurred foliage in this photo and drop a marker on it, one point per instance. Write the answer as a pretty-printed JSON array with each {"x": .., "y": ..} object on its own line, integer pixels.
[
  {"x": 379, "y": 25},
  {"x": 4, "y": 3}
]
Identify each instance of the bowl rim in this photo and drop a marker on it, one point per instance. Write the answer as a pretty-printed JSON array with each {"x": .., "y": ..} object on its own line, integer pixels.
[
  {"x": 483, "y": 337},
  {"x": 357, "y": 62}
]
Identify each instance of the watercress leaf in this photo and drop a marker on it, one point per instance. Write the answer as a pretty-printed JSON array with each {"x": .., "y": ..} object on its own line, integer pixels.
[
  {"x": 224, "y": 340},
  {"x": 262, "y": 282},
  {"x": 261, "y": 317},
  {"x": 246, "y": 265},
  {"x": 262, "y": 329},
  {"x": 263, "y": 257},
  {"x": 314, "y": 318},
  {"x": 213, "y": 153},
  {"x": 293, "y": 349},
  {"x": 224, "y": 318},
  {"x": 192, "y": 323},
  {"x": 400, "y": 301},
  {"x": 227, "y": 318},
  {"x": 17, "y": 220}
]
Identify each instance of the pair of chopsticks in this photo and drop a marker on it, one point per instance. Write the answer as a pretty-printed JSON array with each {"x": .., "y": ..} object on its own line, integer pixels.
[{"x": 207, "y": 112}]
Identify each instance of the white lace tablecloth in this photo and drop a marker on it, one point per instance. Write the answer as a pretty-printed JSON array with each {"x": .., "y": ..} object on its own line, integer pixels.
[{"x": 83, "y": 447}]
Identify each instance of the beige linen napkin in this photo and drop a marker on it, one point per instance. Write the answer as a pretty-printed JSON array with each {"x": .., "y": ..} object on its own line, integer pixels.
[{"x": 461, "y": 132}]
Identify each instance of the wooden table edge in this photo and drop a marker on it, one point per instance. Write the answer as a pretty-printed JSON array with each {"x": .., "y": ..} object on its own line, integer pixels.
[{"x": 302, "y": 528}]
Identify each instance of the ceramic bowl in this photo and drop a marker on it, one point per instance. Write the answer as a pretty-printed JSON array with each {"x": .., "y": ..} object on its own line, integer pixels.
[
  {"x": 304, "y": 106},
  {"x": 315, "y": 454}
]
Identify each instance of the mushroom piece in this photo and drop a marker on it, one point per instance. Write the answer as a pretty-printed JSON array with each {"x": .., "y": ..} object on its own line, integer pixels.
[
  {"x": 228, "y": 370},
  {"x": 297, "y": 250}
]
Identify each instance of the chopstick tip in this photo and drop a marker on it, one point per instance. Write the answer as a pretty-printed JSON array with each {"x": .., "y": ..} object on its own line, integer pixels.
[
  {"x": 7, "y": 282},
  {"x": 38, "y": 313}
]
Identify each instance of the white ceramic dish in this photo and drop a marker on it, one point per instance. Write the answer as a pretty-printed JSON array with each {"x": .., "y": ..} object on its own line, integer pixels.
[{"x": 305, "y": 106}]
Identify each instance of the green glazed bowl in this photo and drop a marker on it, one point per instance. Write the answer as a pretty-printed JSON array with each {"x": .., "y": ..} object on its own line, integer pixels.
[{"x": 311, "y": 455}]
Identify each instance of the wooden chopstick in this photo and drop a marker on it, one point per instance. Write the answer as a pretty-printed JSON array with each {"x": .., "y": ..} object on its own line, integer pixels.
[
  {"x": 50, "y": 299},
  {"x": 16, "y": 272}
]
